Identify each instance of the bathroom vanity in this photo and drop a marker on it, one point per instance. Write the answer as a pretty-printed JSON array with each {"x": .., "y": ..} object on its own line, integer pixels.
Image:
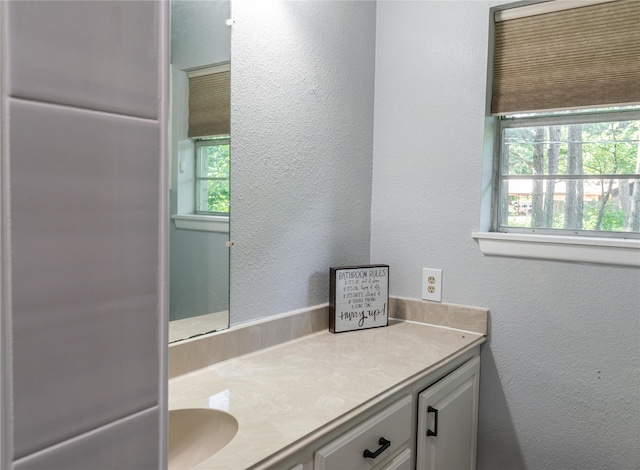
[
  {"x": 392, "y": 397},
  {"x": 446, "y": 428}
]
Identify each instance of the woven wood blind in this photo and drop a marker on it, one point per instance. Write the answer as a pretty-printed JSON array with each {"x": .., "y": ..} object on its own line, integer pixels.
[
  {"x": 209, "y": 104},
  {"x": 573, "y": 58}
]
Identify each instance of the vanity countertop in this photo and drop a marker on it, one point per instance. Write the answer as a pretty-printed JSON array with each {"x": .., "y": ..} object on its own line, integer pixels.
[{"x": 283, "y": 395}]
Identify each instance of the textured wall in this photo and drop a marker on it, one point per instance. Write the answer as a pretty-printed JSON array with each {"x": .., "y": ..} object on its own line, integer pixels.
[
  {"x": 83, "y": 305},
  {"x": 560, "y": 381},
  {"x": 302, "y": 104}
]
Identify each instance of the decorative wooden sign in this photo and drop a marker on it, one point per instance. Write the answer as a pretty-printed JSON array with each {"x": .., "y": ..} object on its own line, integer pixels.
[{"x": 359, "y": 297}]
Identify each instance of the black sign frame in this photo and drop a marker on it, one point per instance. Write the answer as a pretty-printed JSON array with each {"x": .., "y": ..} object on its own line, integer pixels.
[{"x": 358, "y": 297}]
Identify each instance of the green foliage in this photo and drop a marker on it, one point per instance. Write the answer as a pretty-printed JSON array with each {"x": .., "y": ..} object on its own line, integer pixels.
[
  {"x": 558, "y": 220},
  {"x": 610, "y": 148},
  {"x": 217, "y": 158},
  {"x": 612, "y": 219},
  {"x": 212, "y": 177},
  {"x": 218, "y": 167},
  {"x": 218, "y": 196}
]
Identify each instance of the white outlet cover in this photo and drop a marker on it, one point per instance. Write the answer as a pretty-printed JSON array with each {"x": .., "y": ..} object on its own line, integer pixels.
[{"x": 432, "y": 284}]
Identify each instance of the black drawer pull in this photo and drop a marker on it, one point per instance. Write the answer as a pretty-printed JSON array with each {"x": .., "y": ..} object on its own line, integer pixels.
[
  {"x": 431, "y": 409},
  {"x": 384, "y": 445}
]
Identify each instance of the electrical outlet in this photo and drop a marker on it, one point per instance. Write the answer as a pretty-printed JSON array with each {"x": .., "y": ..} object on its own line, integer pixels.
[{"x": 432, "y": 284}]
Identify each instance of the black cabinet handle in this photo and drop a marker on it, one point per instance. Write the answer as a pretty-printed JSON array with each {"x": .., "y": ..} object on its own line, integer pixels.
[
  {"x": 431, "y": 409},
  {"x": 384, "y": 445}
]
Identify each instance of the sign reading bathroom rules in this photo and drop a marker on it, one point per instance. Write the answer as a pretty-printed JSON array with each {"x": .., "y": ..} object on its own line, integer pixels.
[{"x": 359, "y": 297}]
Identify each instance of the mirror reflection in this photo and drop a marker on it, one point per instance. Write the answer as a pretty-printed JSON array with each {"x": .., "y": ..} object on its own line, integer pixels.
[{"x": 200, "y": 154}]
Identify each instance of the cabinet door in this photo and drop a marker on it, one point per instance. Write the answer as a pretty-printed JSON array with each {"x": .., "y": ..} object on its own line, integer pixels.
[{"x": 448, "y": 421}]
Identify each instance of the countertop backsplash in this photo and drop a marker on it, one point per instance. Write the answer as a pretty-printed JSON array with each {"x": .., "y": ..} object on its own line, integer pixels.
[{"x": 203, "y": 351}]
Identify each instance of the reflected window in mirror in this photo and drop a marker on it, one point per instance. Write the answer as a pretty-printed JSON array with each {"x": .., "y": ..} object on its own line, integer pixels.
[
  {"x": 212, "y": 176},
  {"x": 209, "y": 129}
]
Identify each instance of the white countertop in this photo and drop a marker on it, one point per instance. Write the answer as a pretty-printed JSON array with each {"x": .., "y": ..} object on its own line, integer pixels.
[{"x": 285, "y": 393}]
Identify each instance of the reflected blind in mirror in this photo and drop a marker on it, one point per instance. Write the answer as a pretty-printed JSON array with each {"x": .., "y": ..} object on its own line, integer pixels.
[
  {"x": 579, "y": 54},
  {"x": 209, "y": 101}
]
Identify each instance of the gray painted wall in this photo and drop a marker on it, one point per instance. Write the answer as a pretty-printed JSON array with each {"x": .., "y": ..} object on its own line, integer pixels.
[
  {"x": 199, "y": 261},
  {"x": 302, "y": 123},
  {"x": 560, "y": 380}
]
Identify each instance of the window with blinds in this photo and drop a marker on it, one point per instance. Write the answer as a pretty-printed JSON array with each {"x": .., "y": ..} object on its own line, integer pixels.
[
  {"x": 209, "y": 102},
  {"x": 565, "y": 92},
  {"x": 209, "y": 127}
]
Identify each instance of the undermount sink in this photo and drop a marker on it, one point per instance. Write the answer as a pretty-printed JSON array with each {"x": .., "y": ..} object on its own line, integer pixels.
[{"x": 195, "y": 434}]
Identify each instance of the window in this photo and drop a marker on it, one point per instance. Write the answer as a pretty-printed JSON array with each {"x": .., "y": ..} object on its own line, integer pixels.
[
  {"x": 565, "y": 129},
  {"x": 202, "y": 156},
  {"x": 571, "y": 172},
  {"x": 212, "y": 176}
]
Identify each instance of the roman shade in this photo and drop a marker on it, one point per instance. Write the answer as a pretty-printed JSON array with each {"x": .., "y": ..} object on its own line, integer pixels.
[
  {"x": 566, "y": 54},
  {"x": 209, "y": 102}
]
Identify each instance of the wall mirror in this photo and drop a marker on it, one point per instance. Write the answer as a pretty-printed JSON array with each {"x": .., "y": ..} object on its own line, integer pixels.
[{"x": 199, "y": 158}]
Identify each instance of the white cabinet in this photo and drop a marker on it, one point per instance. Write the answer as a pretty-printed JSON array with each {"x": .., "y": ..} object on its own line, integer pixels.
[
  {"x": 401, "y": 462},
  {"x": 404, "y": 419},
  {"x": 371, "y": 443},
  {"x": 448, "y": 421}
]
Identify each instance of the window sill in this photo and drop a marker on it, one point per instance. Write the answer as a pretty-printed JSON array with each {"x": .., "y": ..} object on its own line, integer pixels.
[
  {"x": 203, "y": 223},
  {"x": 617, "y": 252}
]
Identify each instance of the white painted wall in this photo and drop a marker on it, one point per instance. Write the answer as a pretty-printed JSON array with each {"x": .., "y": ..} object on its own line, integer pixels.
[
  {"x": 302, "y": 123},
  {"x": 560, "y": 378}
]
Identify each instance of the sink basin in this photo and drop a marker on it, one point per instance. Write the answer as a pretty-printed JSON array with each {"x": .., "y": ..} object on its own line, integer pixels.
[{"x": 195, "y": 434}]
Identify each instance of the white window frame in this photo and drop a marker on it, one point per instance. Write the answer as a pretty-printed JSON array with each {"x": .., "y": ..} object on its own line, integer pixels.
[
  {"x": 185, "y": 217},
  {"x": 202, "y": 221},
  {"x": 558, "y": 245},
  {"x": 582, "y": 117}
]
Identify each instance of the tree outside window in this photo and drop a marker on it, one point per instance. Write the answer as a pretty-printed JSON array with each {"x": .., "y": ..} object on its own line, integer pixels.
[
  {"x": 576, "y": 175},
  {"x": 212, "y": 176}
]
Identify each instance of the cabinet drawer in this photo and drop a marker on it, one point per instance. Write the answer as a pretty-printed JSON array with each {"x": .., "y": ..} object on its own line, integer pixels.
[
  {"x": 393, "y": 424},
  {"x": 400, "y": 462}
]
